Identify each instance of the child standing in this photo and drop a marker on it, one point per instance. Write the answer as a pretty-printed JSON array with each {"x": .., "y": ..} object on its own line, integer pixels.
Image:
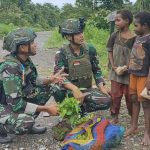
[
  {"x": 119, "y": 47},
  {"x": 140, "y": 74}
]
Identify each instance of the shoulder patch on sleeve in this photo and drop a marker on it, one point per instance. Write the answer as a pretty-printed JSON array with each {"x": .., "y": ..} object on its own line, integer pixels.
[{"x": 10, "y": 69}]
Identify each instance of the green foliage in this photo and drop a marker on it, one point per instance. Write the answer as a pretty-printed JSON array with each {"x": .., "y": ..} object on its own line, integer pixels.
[
  {"x": 142, "y": 5},
  {"x": 55, "y": 40},
  {"x": 4, "y": 29},
  {"x": 70, "y": 109},
  {"x": 46, "y": 16},
  {"x": 69, "y": 11},
  {"x": 61, "y": 129},
  {"x": 10, "y": 15},
  {"x": 98, "y": 37},
  {"x": 85, "y": 3},
  {"x": 99, "y": 19},
  {"x": 101, "y": 4},
  {"x": 85, "y": 119},
  {"x": 29, "y": 14}
]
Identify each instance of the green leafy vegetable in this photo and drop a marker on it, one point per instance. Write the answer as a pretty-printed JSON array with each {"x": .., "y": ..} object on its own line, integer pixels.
[{"x": 70, "y": 110}]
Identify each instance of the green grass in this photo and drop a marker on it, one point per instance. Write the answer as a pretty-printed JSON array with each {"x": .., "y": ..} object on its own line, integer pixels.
[
  {"x": 55, "y": 40},
  {"x": 96, "y": 37},
  {"x": 6, "y": 28}
]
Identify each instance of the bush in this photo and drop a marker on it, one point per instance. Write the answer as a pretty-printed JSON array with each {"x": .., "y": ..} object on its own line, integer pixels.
[
  {"x": 99, "y": 19},
  {"x": 4, "y": 29}
]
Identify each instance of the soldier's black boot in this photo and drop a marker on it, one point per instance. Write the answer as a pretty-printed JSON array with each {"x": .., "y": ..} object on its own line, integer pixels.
[
  {"x": 36, "y": 129},
  {"x": 10, "y": 130},
  {"x": 4, "y": 137}
]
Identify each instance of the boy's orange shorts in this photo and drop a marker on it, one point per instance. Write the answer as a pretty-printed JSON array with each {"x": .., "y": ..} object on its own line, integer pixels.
[{"x": 137, "y": 85}]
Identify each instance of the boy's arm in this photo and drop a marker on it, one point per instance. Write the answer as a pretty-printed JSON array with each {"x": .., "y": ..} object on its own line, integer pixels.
[
  {"x": 110, "y": 56},
  {"x": 110, "y": 45}
]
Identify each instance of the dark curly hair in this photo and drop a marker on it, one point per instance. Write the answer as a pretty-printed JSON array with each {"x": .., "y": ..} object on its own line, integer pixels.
[
  {"x": 126, "y": 14},
  {"x": 143, "y": 18}
]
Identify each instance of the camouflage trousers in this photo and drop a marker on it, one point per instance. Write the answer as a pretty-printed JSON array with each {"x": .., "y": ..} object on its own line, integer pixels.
[
  {"x": 94, "y": 101},
  {"x": 21, "y": 122}
]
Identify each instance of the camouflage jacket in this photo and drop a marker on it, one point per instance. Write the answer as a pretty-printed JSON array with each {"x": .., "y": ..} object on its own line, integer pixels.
[
  {"x": 62, "y": 61},
  {"x": 15, "y": 77}
]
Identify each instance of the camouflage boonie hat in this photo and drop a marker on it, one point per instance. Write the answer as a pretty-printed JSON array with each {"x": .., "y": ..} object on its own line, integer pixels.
[
  {"x": 72, "y": 26},
  {"x": 17, "y": 37}
]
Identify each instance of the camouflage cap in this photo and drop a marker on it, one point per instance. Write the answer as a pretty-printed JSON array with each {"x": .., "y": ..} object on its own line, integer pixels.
[
  {"x": 17, "y": 37},
  {"x": 72, "y": 26}
]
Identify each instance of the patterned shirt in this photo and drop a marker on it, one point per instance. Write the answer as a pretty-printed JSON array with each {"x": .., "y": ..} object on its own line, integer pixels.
[
  {"x": 120, "y": 48},
  {"x": 140, "y": 56}
]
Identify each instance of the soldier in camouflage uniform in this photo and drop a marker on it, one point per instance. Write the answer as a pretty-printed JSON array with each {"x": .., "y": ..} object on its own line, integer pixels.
[
  {"x": 80, "y": 62},
  {"x": 22, "y": 93}
]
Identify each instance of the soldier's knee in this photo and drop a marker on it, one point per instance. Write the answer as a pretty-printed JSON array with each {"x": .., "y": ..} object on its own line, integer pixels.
[
  {"x": 108, "y": 101},
  {"x": 59, "y": 95},
  {"x": 24, "y": 123},
  {"x": 146, "y": 104},
  {"x": 28, "y": 121}
]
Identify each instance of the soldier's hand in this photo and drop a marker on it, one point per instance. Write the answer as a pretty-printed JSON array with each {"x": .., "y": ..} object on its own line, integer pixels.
[
  {"x": 78, "y": 95},
  {"x": 104, "y": 89},
  {"x": 52, "y": 109},
  {"x": 56, "y": 79},
  {"x": 75, "y": 91},
  {"x": 59, "y": 77}
]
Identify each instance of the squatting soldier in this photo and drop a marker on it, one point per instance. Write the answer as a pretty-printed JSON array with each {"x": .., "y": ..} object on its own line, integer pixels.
[
  {"x": 22, "y": 93},
  {"x": 80, "y": 62}
]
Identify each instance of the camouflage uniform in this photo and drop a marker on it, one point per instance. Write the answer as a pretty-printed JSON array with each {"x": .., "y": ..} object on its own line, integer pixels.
[
  {"x": 61, "y": 60},
  {"x": 80, "y": 67},
  {"x": 21, "y": 92}
]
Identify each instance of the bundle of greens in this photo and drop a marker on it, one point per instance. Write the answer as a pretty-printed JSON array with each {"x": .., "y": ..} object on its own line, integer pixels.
[{"x": 70, "y": 111}]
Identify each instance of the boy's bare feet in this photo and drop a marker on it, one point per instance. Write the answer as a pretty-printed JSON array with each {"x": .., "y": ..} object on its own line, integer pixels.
[
  {"x": 130, "y": 131},
  {"x": 146, "y": 139},
  {"x": 114, "y": 120}
]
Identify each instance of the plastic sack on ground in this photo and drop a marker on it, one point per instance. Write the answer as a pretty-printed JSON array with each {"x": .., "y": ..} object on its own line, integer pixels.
[{"x": 96, "y": 134}]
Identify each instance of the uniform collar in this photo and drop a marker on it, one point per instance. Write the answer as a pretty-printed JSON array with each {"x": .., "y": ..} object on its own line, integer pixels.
[{"x": 72, "y": 51}]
